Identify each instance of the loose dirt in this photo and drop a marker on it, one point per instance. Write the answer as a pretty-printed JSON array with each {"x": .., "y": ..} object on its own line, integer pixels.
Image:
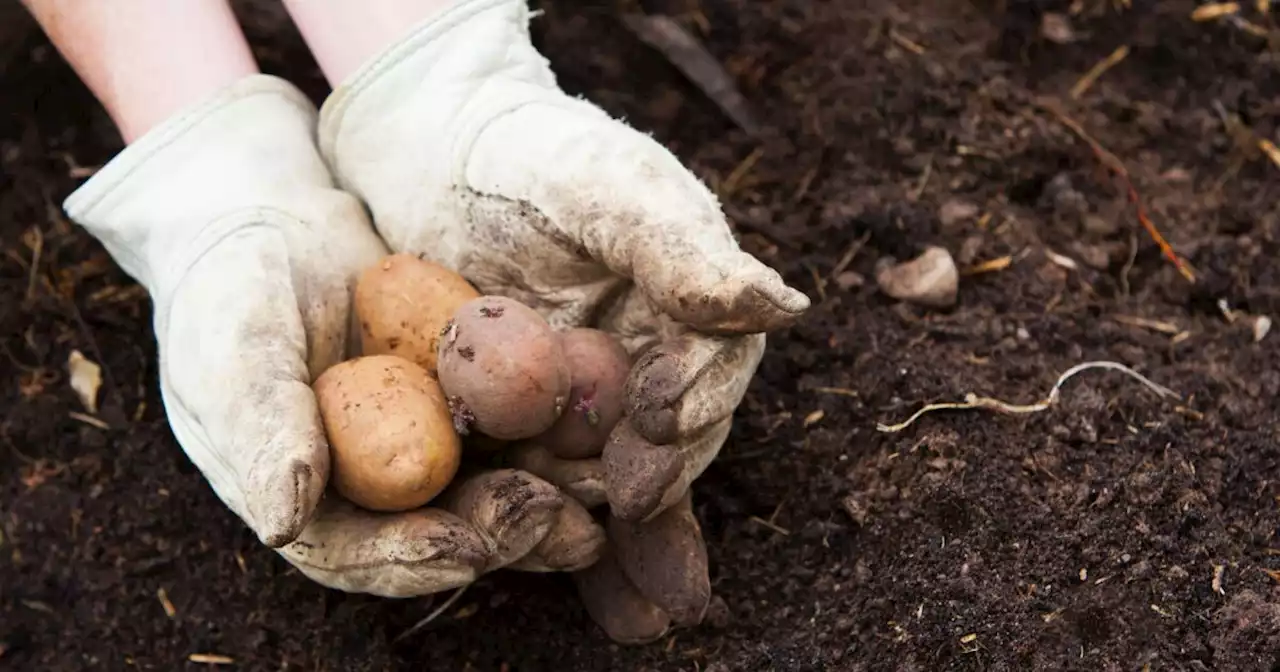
[{"x": 1086, "y": 537}]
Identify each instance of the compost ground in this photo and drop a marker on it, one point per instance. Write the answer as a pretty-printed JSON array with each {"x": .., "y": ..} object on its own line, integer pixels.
[{"x": 1114, "y": 531}]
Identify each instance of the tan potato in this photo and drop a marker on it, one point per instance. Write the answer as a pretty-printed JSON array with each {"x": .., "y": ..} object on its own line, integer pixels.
[
  {"x": 503, "y": 369},
  {"x": 403, "y": 303},
  {"x": 598, "y": 365},
  {"x": 391, "y": 437}
]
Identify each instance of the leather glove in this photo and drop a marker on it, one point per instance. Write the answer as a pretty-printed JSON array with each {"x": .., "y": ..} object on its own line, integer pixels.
[
  {"x": 228, "y": 216},
  {"x": 468, "y": 153}
]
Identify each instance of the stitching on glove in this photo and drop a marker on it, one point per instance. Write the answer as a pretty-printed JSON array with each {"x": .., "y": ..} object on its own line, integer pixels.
[
  {"x": 133, "y": 157},
  {"x": 227, "y": 479}
]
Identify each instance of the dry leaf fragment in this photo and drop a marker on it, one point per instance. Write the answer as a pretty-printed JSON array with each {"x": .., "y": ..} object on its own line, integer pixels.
[
  {"x": 86, "y": 378},
  {"x": 1261, "y": 327},
  {"x": 1061, "y": 260},
  {"x": 1214, "y": 10},
  {"x": 1269, "y": 148}
]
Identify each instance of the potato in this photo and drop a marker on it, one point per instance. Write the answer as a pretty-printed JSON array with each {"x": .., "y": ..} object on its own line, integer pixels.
[
  {"x": 503, "y": 369},
  {"x": 403, "y": 303},
  {"x": 598, "y": 366},
  {"x": 391, "y": 439}
]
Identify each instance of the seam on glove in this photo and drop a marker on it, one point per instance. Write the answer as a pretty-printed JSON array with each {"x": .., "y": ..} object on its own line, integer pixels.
[
  {"x": 187, "y": 428},
  {"x": 339, "y": 568},
  {"x": 428, "y": 31},
  {"x": 81, "y": 203},
  {"x": 176, "y": 270}
]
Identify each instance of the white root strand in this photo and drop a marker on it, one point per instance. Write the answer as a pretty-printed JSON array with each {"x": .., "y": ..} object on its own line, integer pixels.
[{"x": 972, "y": 401}]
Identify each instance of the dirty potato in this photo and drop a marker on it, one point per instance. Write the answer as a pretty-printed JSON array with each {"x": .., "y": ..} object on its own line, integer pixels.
[
  {"x": 391, "y": 439},
  {"x": 598, "y": 366},
  {"x": 403, "y": 303},
  {"x": 503, "y": 369}
]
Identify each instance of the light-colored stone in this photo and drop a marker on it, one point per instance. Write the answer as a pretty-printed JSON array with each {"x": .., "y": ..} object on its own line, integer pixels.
[{"x": 930, "y": 279}]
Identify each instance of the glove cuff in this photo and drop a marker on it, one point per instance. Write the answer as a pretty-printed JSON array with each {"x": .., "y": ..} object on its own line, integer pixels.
[
  {"x": 397, "y": 134},
  {"x": 450, "y": 53},
  {"x": 243, "y": 147}
]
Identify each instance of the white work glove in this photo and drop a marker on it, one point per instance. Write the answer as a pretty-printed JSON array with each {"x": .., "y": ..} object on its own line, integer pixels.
[
  {"x": 228, "y": 216},
  {"x": 468, "y": 153}
]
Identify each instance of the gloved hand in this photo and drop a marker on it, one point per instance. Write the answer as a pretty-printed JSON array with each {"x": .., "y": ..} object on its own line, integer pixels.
[
  {"x": 468, "y": 154},
  {"x": 228, "y": 216}
]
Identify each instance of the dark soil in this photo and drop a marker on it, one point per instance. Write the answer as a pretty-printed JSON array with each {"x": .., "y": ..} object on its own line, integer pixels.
[{"x": 1082, "y": 538}]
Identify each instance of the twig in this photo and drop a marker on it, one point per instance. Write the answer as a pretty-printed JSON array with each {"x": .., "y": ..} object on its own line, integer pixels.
[
  {"x": 1214, "y": 10},
  {"x": 433, "y": 615},
  {"x": 1146, "y": 323},
  {"x": 906, "y": 43},
  {"x": 687, "y": 54},
  {"x": 973, "y": 401},
  {"x": 37, "y": 247},
  {"x": 1099, "y": 69},
  {"x": 771, "y": 525},
  {"x": 924, "y": 180},
  {"x": 1113, "y": 163},
  {"x": 1269, "y": 148},
  {"x": 849, "y": 254},
  {"x": 841, "y": 391},
  {"x": 211, "y": 659},
  {"x": 166, "y": 603}
]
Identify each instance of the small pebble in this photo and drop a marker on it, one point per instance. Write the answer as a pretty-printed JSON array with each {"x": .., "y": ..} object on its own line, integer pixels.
[
  {"x": 1101, "y": 226},
  {"x": 850, "y": 279},
  {"x": 1057, "y": 28},
  {"x": 930, "y": 279},
  {"x": 956, "y": 211}
]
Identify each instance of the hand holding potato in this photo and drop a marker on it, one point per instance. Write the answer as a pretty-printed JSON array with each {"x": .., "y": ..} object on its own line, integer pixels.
[
  {"x": 228, "y": 216},
  {"x": 541, "y": 197},
  {"x": 468, "y": 154}
]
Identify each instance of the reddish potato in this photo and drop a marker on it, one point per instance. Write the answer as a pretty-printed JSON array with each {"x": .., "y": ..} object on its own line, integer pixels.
[
  {"x": 503, "y": 368},
  {"x": 598, "y": 365}
]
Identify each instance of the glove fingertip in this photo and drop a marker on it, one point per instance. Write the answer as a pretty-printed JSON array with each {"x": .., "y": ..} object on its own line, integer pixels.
[
  {"x": 744, "y": 297},
  {"x": 638, "y": 473},
  {"x": 286, "y": 503}
]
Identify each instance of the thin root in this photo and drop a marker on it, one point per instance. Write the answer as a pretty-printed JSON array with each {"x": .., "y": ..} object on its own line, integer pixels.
[
  {"x": 1117, "y": 167},
  {"x": 435, "y": 613},
  {"x": 972, "y": 401}
]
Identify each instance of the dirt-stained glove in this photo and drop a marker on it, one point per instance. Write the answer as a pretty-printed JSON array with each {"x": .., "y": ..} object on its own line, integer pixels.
[
  {"x": 228, "y": 216},
  {"x": 468, "y": 153}
]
